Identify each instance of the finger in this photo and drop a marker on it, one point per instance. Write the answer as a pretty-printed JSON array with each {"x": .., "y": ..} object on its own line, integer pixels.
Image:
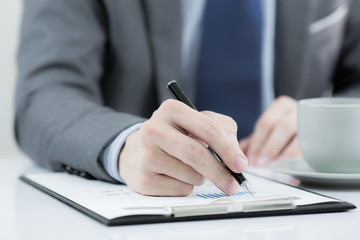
[
  {"x": 163, "y": 163},
  {"x": 292, "y": 150},
  {"x": 279, "y": 139},
  {"x": 266, "y": 123},
  {"x": 153, "y": 184},
  {"x": 196, "y": 155},
  {"x": 227, "y": 123},
  {"x": 206, "y": 129},
  {"x": 244, "y": 144},
  {"x": 192, "y": 153}
]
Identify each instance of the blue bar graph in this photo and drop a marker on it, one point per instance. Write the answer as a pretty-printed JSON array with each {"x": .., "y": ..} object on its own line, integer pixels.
[{"x": 220, "y": 194}]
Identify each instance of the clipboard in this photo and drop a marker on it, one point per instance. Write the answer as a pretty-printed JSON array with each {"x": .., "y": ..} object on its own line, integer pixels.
[{"x": 95, "y": 198}]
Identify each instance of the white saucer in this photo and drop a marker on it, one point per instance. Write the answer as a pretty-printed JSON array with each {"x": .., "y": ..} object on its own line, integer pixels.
[{"x": 298, "y": 168}]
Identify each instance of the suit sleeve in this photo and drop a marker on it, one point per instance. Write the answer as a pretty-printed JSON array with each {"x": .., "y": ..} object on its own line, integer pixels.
[
  {"x": 61, "y": 121},
  {"x": 346, "y": 81}
]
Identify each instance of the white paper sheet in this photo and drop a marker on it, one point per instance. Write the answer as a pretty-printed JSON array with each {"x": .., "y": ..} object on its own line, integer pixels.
[{"x": 113, "y": 200}]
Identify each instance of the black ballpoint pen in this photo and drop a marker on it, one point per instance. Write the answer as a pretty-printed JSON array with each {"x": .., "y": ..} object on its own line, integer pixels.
[{"x": 181, "y": 96}]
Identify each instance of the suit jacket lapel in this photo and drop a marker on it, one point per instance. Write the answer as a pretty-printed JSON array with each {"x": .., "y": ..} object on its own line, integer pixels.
[
  {"x": 164, "y": 19},
  {"x": 291, "y": 45}
]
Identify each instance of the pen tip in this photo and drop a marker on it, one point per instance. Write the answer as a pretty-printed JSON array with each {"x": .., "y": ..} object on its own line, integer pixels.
[{"x": 246, "y": 185}]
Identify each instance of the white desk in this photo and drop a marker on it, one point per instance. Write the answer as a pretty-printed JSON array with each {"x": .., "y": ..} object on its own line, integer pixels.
[{"x": 26, "y": 213}]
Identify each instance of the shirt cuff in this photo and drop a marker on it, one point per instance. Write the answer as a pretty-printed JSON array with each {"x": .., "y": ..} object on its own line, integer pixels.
[{"x": 112, "y": 151}]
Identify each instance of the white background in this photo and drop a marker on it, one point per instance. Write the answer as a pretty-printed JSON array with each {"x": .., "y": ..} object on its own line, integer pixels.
[{"x": 10, "y": 16}]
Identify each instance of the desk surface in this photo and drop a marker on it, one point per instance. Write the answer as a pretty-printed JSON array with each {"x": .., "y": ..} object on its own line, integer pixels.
[{"x": 26, "y": 213}]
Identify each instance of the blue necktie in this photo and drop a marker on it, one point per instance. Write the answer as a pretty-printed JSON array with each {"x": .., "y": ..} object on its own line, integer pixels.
[{"x": 229, "y": 71}]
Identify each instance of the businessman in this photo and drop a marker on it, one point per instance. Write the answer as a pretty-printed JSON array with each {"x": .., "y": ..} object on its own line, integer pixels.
[{"x": 91, "y": 96}]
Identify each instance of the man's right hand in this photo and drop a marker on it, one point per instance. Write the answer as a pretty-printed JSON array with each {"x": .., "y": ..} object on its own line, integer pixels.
[{"x": 168, "y": 155}]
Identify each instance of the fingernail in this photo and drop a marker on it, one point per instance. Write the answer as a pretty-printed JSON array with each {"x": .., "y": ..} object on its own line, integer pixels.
[
  {"x": 241, "y": 164},
  {"x": 263, "y": 160},
  {"x": 232, "y": 187}
]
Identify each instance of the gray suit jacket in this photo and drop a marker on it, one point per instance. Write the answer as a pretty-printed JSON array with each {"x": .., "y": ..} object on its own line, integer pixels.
[{"x": 89, "y": 69}]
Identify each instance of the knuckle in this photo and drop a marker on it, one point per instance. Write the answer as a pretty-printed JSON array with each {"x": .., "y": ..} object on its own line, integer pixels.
[
  {"x": 195, "y": 154},
  {"x": 229, "y": 151},
  {"x": 211, "y": 129},
  {"x": 169, "y": 105},
  {"x": 264, "y": 124},
  {"x": 231, "y": 122},
  {"x": 156, "y": 114},
  {"x": 221, "y": 175},
  {"x": 149, "y": 129}
]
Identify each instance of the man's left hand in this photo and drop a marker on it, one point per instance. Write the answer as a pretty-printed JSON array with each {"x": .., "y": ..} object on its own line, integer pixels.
[{"x": 275, "y": 134}]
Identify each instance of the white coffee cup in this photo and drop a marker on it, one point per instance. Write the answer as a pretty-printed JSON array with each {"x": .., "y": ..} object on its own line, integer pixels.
[{"x": 329, "y": 134}]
